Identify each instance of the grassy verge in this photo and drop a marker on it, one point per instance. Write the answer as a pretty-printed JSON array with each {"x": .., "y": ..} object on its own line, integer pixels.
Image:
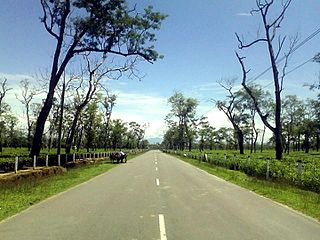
[
  {"x": 306, "y": 202},
  {"x": 14, "y": 199}
]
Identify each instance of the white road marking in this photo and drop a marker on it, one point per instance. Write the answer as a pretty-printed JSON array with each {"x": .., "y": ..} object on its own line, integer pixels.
[
  {"x": 156, "y": 162},
  {"x": 162, "y": 227},
  {"x": 156, "y": 168},
  {"x": 157, "y": 182}
]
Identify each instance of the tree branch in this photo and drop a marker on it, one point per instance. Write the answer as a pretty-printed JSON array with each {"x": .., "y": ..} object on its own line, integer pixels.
[
  {"x": 255, "y": 102},
  {"x": 242, "y": 45}
]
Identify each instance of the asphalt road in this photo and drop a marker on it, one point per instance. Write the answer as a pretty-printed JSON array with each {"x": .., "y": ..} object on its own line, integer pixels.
[{"x": 155, "y": 196}]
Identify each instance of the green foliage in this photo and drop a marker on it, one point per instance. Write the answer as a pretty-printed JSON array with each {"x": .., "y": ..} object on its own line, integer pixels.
[
  {"x": 255, "y": 165},
  {"x": 304, "y": 201}
]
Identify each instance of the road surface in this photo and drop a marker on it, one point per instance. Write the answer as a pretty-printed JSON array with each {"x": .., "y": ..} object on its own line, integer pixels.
[{"x": 156, "y": 196}]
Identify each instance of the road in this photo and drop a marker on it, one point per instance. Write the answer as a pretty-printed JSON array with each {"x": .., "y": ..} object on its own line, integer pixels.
[{"x": 156, "y": 196}]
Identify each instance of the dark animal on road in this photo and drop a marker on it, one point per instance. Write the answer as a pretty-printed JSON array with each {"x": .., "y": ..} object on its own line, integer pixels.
[{"x": 118, "y": 157}]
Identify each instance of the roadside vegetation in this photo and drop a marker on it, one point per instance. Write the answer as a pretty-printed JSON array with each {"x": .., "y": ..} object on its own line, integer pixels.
[
  {"x": 304, "y": 201},
  {"x": 16, "y": 197}
]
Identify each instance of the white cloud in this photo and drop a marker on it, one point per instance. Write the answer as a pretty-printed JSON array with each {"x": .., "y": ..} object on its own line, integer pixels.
[
  {"x": 244, "y": 14},
  {"x": 144, "y": 109},
  {"x": 14, "y": 79}
]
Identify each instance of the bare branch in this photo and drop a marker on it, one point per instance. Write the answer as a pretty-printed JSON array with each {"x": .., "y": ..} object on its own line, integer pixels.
[
  {"x": 280, "y": 46},
  {"x": 49, "y": 29},
  {"x": 280, "y": 18},
  {"x": 255, "y": 102},
  {"x": 242, "y": 45}
]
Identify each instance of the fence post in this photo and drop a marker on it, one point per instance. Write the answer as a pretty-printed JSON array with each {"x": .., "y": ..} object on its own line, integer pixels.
[
  {"x": 59, "y": 161},
  {"x": 34, "y": 161},
  {"x": 234, "y": 162},
  {"x": 73, "y": 157},
  {"x": 16, "y": 165},
  {"x": 299, "y": 171},
  {"x": 217, "y": 161},
  {"x": 268, "y": 169},
  {"x": 206, "y": 157},
  {"x": 47, "y": 161}
]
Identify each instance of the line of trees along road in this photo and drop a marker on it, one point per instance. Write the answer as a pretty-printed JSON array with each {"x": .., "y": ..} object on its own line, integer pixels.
[
  {"x": 94, "y": 127},
  {"x": 95, "y": 41},
  {"x": 293, "y": 123},
  {"x": 300, "y": 123}
]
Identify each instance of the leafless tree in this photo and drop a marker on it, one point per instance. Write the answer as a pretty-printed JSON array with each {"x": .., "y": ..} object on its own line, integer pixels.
[
  {"x": 3, "y": 106},
  {"x": 28, "y": 92},
  {"x": 275, "y": 46},
  {"x": 229, "y": 108}
]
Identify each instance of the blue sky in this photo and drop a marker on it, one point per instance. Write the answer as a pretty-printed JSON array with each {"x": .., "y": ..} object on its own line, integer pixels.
[{"x": 197, "y": 41}]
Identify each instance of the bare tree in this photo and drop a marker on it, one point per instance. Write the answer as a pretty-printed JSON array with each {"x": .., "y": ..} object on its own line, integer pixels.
[
  {"x": 275, "y": 45},
  {"x": 234, "y": 112},
  {"x": 3, "y": 106},
  {"x": 28, "y": 92}
]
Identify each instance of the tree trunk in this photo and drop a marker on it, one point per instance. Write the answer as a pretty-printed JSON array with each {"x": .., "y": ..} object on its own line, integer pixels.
[
  {"x": 72, "y": 130},
  {"x": 61, "y": 116},
  {"x": 264, "y": 131},
  {"x": 190, "y": 145},
  {"x": 44, "y": 113},
  {"x": 240, "y": 141},
  {"x": 288, "y": 141},
  {"x": 307, "y": 142}
]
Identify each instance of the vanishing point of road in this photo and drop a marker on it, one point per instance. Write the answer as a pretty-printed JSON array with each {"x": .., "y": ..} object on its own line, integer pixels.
[{"x": 155, "y": 196}]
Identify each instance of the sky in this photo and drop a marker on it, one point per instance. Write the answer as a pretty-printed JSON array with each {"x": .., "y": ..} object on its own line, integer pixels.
[{"x": 198, "y": 42}]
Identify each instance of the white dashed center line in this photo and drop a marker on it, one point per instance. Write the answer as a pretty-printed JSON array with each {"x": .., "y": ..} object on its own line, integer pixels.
[
  {"x": 156, "y": 168},
  {"x": 157, "y": 182},
  {"x": 162, "y": 227}
]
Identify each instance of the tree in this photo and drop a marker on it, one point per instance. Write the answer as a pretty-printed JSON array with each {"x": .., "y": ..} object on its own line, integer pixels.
[
  {"x": 293, "y": 110},
  {"x": 118, "y": 130},
  {"x": 184, "y": 110},
  {"x": 234, "y": 111},
  {"x": 108, "y": 104},
  {"x": 27, "y": 93},
  {"x": 4, "y": 107},
  {"x": 91, "y": 120},
  {"x": 88, "y": 85},
  {"x": 275, "y": 48},
  {"x": 83, "y": 26},
  {"x": 171, "y": 137}
]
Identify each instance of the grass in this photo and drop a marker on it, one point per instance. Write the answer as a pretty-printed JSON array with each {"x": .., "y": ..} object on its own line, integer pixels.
[
  {"x": 303, "y": 201},
  {"x": 14, "y": 199}
]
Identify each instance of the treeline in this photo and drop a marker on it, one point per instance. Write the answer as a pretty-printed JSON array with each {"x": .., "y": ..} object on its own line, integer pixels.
[
  {"x": 294, "y": 123},
  {"x": 300, "y": 123},
  {"x": 92, "y": 126}
]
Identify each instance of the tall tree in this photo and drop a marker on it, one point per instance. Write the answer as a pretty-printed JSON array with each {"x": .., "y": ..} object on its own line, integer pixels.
[
  {"x": 28, "y": 92},
  {"x": 274, "y": 46},
  {"x": 82, "y": 26},
  {"x": 118, "y": 131},
  {"x": 4, "y": 107},
  {"x": 184, "y": 110},
  {"x": 88, "y": 85},
  {"x": 293, "y": 109},
  {"x": 108, "y": 104},
  {"x": 234, "y": 111}
]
